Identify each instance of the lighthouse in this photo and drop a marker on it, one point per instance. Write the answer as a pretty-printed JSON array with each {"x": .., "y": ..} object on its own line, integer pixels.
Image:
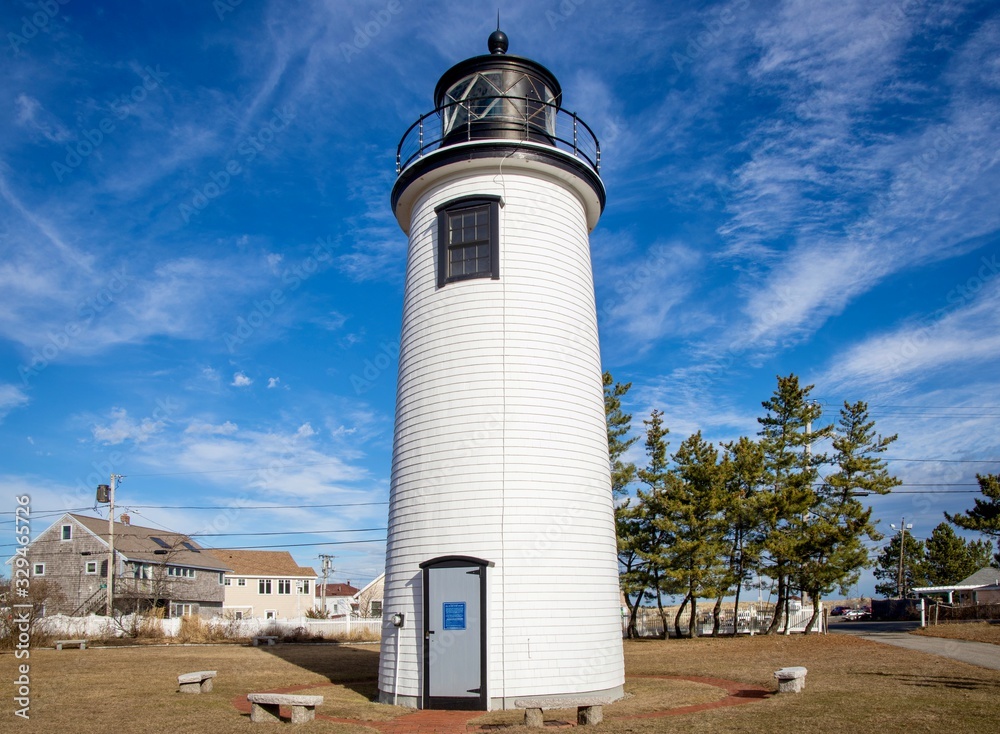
[{"x": 501, "y": 578}]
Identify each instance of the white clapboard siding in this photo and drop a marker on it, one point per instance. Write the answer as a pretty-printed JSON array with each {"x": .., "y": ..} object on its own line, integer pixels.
[{"x": 500, "y": 445}]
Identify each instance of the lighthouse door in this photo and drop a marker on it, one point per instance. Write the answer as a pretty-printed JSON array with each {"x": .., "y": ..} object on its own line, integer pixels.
[{"x": 454, "y": 633}]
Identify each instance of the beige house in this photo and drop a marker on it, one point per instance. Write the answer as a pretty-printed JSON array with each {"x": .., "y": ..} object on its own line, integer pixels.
[
  {"x": 368, "y": 602},
  {"x": 266, "y": 584}
]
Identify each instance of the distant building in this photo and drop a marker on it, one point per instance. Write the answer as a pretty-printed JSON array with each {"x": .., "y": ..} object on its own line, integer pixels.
[
  {"x": 266, "y": 584},
  {"x": 982, "y": 587},
  {"x": 152, "y": 568},
  {"x": 339, "y": 598},
  {"x": 368, "y": 602}
]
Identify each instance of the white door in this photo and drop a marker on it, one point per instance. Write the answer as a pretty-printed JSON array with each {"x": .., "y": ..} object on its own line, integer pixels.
[{"x": 454, "y": 635}]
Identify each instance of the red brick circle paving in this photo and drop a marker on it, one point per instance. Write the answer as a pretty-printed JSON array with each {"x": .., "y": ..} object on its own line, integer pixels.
[{"x": 457, "y": 722}]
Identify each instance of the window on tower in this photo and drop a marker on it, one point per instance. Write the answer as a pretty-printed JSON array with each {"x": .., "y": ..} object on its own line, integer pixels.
[{"x": 469, "y": 239}]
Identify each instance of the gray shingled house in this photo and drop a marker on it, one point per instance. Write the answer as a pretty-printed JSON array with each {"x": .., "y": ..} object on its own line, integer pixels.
[{"x": 152, "y": 568}]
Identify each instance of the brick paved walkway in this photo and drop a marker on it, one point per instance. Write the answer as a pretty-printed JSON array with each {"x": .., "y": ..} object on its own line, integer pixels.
[{"x": 457, "y": 722}]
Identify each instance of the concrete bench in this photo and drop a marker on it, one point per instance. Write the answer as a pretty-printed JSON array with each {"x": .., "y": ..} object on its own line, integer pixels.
[
  {"x": 270, "y": 639},
  {"x": 791, "y": 680},
  {"x": 588, "y": 709},
  {"x": 264, "y": 706},
  {"x": 199, "y": 682},
  {"x": 82, "y": 644}
]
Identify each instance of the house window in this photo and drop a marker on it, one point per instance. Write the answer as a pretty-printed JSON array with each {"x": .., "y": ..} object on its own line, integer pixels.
[
  {"x": 302, "y": 587},
  {"x": 469, "y": 239},
  {"x": 185, "y": 573},
  {"x": 183, "y": 610},
  {"x": 264, "y": 586},
  {"x": 38, "y": 569},
  {"x": 223, "y": 579},
  {"x": 237, "y": 615},
  {"x": 91, "y": 567},
  {"x": 270, "y": 614},
  {"x": 67, "y": 532},
  {"x": 376, "y": 608},
  {"x": 228, "y": 582},
  {"x": 241, "y": 582},
  {"x": 284, "y": 586}
]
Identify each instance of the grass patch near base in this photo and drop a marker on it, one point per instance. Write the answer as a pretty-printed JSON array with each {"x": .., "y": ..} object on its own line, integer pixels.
[
  {"x": 356, "y": 702},
  {"x": 971, "y": 631}
]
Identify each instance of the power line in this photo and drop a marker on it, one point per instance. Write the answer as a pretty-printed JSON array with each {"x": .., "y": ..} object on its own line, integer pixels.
[
  {"x": 208, "y": 507},
  {"x": 292, "y": 532}
]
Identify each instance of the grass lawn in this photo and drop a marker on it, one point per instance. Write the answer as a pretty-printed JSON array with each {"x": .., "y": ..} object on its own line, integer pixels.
[
  {"x": 853, "y": 685},
  {"x": 973, "y": 631}
]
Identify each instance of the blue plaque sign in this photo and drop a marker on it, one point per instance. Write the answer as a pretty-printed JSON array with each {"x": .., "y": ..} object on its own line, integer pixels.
[{"x": 454, "y": 615}]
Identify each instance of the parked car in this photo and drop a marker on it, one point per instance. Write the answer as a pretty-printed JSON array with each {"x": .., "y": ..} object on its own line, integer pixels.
[
  {"x": 856, "y": 614},
  {"x": 838, "y": 611}
]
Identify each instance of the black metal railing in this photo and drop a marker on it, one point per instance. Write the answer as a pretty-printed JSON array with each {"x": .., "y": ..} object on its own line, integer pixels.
[{"x": 499, "y": 117}]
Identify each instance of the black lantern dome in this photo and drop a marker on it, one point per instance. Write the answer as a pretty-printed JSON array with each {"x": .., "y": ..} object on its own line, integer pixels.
[{"x": 498, "y": 103}]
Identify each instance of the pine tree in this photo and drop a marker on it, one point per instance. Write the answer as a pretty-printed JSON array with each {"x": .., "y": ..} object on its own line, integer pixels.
[
  {"x": 839, "y": 524},
  {"x": 657, "y": 534},
  {"x": 951, "y": 558},
  {"x": 691, "y": 515},
  {"x": 984, "y": 517},
  {"x": 744, "y": 475},
  {"x": 790, "y": 471},
  {"x": 914, "y": 561},
  {"x": 619, "y": 425},
  {"x": 631, "y": 525}
]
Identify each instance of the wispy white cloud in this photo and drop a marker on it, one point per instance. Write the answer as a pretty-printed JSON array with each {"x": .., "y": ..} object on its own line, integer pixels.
[
  {"x": 11, "y": 398},
  {"x": 962, "y": 337},
  {"x": 122, "y": 428}
]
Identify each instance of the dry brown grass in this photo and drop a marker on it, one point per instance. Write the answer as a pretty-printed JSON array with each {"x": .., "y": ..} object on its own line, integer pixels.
[
  {"x": 972, "y": 631},
  {"x": 853, "y": 685}
]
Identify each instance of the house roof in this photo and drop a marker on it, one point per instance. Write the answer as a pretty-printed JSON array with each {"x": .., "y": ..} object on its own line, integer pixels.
[
  {"x": 261, "y": 563},
  {"x": 377, "y": 580},
  {"x": 336, "y": 590},
  {"x": 152, "y": 545},
  {"x": 984, "y": 578}
]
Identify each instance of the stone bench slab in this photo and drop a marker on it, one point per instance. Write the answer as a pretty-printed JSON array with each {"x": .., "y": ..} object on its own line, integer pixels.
[
  {"x": 264, "y": 706},
  {"x": 588, "y": 709},
  {"x": 791, "y": 680},
  {"x": 82, "y": 644},
  {"x": 197, "y": 682}
]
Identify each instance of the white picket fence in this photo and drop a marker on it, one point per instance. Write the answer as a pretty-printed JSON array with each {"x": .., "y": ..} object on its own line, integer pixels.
[
  {"x": 95, "y": 627},
  {"x": 750, "y": 622}
]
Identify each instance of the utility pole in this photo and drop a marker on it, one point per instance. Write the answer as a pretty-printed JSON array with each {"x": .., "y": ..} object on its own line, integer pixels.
[
  {"x": 106, "y": 493},
  {"x": 327, "y": 568},
  {"x": 903, "y": 527}
]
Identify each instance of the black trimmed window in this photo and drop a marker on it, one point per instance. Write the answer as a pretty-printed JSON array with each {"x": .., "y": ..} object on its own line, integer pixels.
[{"x": 469, "y": 239}]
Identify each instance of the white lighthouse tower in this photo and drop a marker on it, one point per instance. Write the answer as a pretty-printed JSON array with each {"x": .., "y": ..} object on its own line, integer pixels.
[{"x": 501, "y": 564}]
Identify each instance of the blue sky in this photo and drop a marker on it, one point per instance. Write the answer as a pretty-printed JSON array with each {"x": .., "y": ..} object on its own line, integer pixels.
[{"x": 201, "y": 276}]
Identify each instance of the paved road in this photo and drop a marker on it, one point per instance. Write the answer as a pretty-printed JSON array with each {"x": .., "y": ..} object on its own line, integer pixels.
[{"x": 896, "y": 633}]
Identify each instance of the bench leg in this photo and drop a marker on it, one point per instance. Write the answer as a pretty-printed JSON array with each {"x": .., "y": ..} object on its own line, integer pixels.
[
  {"x": 190, "y": 688},
  {"x": 206, "y": 686},
  {"x": 83, "y": 645},
  {"x": 792, "y": 685},
  {"x": 302, "y": 714},
  {"x": 58, "y": 646},
  {"x": 264, "y": 712},
  {"x": 533, "y": 718},
  {"x": 589, "y": 715}
]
